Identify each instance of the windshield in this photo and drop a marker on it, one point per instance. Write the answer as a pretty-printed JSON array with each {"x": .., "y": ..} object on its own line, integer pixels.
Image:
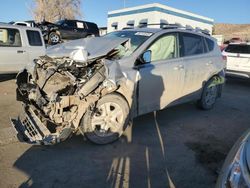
[
  {"x": 60, "y": 22},
  {"x": 237, "y": 48},
  {"x": 136, "y": 40}
]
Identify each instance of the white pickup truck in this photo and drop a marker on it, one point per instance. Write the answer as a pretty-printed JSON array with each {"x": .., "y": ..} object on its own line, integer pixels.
[{"x": 19, "y": 46}]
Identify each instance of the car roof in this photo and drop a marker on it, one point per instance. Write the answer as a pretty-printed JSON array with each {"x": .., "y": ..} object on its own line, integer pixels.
[
  {"x": 168, "y": 29},
  {"x": 18, "y": 26}
]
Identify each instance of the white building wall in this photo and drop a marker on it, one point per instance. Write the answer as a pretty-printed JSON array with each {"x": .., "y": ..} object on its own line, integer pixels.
[{"x": 154, "y": 17}]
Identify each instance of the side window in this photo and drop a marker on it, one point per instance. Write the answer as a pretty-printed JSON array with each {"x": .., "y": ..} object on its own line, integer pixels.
[
  {"x": 210, "y": 44},
  {"x": 164, "y": 48},
  {"x": 34, "y": 38},
  {"x": 71, "y": 24},
  {"x": 22, "y": 24},
  {"x": 193, "y": 44},
  {"x": 10, "y": 37}
]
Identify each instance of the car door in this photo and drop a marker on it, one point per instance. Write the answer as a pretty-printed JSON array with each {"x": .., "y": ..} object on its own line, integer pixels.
[
  {"x": 161, "y": 80},
  {"x": 36, "y": 46},
  {"x": 81, "y": 29},
  {"x": 13, "y": 55},
  {"x": 197, "y": 64},
  {"x": 68, "y": 30}
]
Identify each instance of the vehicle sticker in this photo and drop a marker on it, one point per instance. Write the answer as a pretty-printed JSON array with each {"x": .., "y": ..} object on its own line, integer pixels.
[
  {"x": 146, "y": 34},
  {"x": 79, "y": 25}
]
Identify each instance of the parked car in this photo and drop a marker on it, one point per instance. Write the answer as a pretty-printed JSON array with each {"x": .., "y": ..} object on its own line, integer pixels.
[
  {"x": 54, "y": 33},
  {"x": 235, "y": 172},
  {"x": 19, "y": 46},
  {"x": 238, "y": 59},
  {"x": 30, "y": 23},
  {"x": 96, "y": 85}
]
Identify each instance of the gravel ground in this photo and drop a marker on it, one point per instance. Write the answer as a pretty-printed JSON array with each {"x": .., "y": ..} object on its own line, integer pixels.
[{"x": 176, "y": 147}]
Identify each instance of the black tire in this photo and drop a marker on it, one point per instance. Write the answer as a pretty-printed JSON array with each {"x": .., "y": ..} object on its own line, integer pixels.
[
  {"x": 94, "y": 132},
  {"x": 90, "y": 36},
  {"x": 209, "y": 96},
  {"x": 54, "y": 38}
]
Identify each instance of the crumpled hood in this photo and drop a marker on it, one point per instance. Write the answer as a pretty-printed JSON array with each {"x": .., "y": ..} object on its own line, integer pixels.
[{"x": 86, "y": 49}]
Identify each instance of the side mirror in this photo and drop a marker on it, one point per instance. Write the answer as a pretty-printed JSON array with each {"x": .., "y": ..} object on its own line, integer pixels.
[{"x": 146, "y": 57}]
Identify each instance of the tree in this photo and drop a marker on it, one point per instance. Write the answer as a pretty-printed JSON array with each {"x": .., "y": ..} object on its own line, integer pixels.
[{"x": 54, "y": 10}]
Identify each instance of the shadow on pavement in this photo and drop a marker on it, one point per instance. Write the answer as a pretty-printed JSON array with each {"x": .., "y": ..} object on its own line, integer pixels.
[{"x": 136, "y": 160}]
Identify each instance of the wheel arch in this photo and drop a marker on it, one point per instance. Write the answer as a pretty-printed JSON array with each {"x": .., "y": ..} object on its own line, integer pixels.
[{"x": 219, "y": 79}]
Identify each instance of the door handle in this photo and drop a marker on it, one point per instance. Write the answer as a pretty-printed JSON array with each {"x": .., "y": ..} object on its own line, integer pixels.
[
  {"x": 179, "y": 67},
  {"x": 20, "y": 51},
  {"x": 209, "y": 63}
]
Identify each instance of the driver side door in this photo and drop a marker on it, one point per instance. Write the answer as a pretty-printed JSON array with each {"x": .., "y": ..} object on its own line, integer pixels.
[{"x": 162, "y": 79}]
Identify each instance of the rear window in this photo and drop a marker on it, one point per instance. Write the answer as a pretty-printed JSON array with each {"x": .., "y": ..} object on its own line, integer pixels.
[
  {"x": 193, "y": 44},
  {"x": 239, "y": 49},
  {"x": 210, "y": 44},
  {"x": 10, "y": 37},
  {"x": 34, "y": 38}
]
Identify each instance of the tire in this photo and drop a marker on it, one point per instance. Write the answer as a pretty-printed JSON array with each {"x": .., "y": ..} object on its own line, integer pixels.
[
  {"x": 54, "y": 38},
  {"x": 209, "y": 96},
  {"x": 107, "y": 121}
]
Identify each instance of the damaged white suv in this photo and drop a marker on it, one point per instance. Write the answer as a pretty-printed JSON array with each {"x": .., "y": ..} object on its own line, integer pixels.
[{"x": 95, "y": 86}]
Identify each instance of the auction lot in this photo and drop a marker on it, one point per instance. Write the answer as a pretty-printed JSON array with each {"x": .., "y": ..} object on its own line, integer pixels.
[{"x": 181, "y": 146}]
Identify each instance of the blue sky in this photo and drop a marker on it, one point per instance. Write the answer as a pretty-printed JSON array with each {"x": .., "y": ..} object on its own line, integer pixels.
[{"x": 222, "y": 11}]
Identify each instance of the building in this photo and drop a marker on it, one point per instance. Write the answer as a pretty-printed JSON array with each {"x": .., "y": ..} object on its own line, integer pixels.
[
  {"x": 102, "y": 31},
  {"x": 156, "y": 14}
]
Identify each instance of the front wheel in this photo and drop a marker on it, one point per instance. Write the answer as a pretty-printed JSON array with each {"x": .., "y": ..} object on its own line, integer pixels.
[
  {"x": 107, "y": 121},
  {"x": 54, "y": 38},
  {"x": 209, "y": 96}
]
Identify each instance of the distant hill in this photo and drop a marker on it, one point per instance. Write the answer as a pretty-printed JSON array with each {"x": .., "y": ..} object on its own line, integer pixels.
[{"x": 233, "y": 30}]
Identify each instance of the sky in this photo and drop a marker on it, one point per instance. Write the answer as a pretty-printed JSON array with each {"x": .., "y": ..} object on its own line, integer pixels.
[{"x": 222, "y": 11}]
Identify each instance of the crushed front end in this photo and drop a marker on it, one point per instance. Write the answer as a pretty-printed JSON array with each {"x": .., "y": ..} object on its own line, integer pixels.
[{"x": 56, "y": 96}]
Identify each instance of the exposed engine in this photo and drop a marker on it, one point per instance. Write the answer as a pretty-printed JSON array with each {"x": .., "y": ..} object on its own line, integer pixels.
[{"x": 59, "y": 92}]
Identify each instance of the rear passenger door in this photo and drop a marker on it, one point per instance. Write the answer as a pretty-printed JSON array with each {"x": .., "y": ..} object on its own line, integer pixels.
[
  {"x": 69, "y": 30},
  {"x": 81, "y": 29},
  {"x": 197, "y": 64},
  {"x": 13, "y": 56}
]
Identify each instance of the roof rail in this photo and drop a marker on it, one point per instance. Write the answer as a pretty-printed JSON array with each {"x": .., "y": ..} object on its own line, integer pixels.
[
  {"x": 204, "y": 31},
  {"x": 163, "y": 25},
  {"x": 173, "y": 26}
]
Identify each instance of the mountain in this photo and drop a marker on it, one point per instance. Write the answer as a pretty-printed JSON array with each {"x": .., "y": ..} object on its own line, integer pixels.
[{"x": 233, "y": 30}]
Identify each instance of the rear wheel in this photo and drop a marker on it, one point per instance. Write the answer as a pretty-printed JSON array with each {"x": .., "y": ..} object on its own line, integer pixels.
[
  {"x": 209, "y": 96},
  {"x": 107, "y": 121}
]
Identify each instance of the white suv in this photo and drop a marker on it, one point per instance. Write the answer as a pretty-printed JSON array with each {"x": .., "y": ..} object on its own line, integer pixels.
[
  {"x": 96, "y": 85},
  {"x": 19, "y": 46},
  {"x": 238, "y": 59}
]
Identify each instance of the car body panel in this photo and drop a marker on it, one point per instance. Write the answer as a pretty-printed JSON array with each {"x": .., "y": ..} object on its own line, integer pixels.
[{"x": 238, "y": 156}]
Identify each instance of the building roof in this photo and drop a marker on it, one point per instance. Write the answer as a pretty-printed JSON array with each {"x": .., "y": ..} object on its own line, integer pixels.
[{"x": 160, "y": 8}]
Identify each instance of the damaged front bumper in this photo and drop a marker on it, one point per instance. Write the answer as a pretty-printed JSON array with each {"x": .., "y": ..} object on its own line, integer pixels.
[{"x": 30, "y": 129}]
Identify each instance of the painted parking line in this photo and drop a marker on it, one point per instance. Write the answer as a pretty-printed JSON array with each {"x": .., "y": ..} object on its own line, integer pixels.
[{"x": 7, "y": 136}]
